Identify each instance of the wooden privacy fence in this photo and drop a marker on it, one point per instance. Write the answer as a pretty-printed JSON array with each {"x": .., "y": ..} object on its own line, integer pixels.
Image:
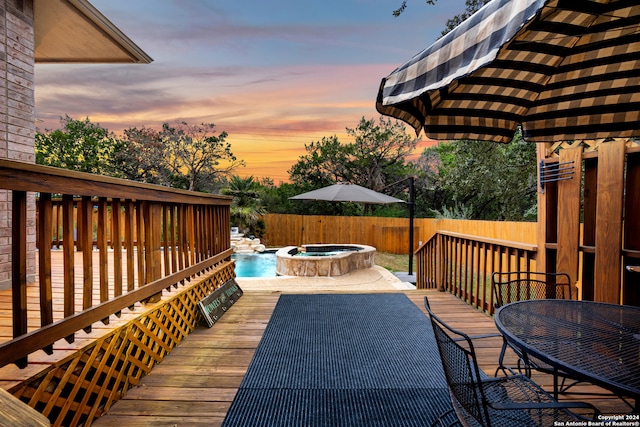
[
  {"x": 385, "y": 234},
  {"x": 463, "y": 265}
]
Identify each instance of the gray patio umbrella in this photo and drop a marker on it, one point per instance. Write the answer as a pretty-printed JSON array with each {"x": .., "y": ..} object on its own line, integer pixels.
[
  {"x": 344, "y": 192},
  {"x": 563, "y": 69}
]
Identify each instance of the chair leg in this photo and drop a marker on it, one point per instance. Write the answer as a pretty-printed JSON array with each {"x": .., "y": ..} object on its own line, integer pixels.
[
  {"x": 501, "y": 366},
  {"x": 523, "y": 365}
]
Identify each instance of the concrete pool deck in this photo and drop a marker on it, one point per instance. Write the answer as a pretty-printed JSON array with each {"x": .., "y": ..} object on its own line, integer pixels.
[{"x": 370, "y": 279}]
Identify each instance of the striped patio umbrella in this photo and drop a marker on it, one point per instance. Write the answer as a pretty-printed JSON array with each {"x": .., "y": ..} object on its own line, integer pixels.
[{"x": 563, "y": 69}]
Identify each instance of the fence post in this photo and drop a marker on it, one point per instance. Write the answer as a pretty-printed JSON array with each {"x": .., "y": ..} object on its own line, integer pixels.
[{"x": 440, "y": 263}]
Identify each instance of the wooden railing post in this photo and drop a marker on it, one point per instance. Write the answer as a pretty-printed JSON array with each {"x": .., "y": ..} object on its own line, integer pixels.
[
  {"x": 102, "y": 239},
  {"x": 45, "y": 236},
  {"x": 140, "y": 242},
  {"x": 129, "y": 238},
  {"x": 19, "y": 266},
  {"x": 191, "y": 234},
  {"x": 85, "y": 218},
  {"x": 152, "y": 251},
  {"x": 439, "y": 251},
  {"x": 166, "y": 233},
  {"x": 116, "y": 243},
  {"x": 609, "y": 213},
  {"x": 68, "y": 258}
]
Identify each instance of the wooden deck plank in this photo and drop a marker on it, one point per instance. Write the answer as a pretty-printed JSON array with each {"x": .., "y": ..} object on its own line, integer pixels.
[
  {"x": 197, "y": 381},
  {"x": 205, "y": 371}
]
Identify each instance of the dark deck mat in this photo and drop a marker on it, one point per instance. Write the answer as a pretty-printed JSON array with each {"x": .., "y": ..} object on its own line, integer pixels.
[{"x": 343, "y": 360}]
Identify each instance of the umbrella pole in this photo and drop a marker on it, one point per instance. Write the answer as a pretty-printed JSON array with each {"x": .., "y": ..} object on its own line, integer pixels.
[
  {"x": 412, "y": 206},
  {"x": 412, "y": 200}
]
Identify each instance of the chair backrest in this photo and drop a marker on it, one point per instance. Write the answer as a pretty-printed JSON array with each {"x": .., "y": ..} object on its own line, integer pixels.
[
  {"x": 460, "y": 369},
  {"x": 525, "y": 285}
]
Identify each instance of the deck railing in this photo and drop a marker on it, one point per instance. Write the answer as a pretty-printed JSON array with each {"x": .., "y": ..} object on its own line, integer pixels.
[
  {"x": 463, "y": 265},
  {"x": 146, "y": 238}
]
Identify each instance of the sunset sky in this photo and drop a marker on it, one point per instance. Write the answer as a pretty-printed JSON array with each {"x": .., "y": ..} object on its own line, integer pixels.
[{"x": 274, "y": 74}]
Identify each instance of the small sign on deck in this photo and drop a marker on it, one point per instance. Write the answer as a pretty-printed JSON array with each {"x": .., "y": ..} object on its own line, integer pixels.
[{"x": 214, "y": 305}]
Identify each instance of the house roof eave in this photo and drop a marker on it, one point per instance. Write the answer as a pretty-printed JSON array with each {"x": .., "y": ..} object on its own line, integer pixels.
[{"x": 74, "y": 31}]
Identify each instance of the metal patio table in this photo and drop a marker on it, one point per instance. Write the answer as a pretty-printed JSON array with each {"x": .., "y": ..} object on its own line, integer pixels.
[{"x": 591, "y": 341}]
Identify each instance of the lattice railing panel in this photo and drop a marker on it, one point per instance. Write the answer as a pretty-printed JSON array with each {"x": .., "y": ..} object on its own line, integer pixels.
[{"x": 83, "y": 386}]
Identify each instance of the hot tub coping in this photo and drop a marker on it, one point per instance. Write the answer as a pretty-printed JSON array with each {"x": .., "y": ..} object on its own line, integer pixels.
[{"x": 287, "y": 264}]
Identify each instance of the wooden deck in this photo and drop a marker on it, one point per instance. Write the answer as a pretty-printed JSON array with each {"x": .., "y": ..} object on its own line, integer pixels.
[
  {"x": 10, "y": 375},
  {"x": 197, "y": 382}
]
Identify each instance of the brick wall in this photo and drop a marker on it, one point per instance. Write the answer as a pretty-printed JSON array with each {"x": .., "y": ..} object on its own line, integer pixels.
[{"x": 17, "y": 117}]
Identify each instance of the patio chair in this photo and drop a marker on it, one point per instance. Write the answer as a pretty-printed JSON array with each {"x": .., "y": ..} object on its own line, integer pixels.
[
  {"x": 519, "y": 286},
  {"x": 480, "y": 400}
]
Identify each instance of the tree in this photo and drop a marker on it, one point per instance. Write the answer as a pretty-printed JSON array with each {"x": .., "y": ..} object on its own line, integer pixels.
[
  {"x": 194, "y": 157},
  {"x": 375, "y": 158},
  {"x": 486, "y": 180},
  {"x": 79, "y": 145},
  {"x": 430, "y": 195},
  {"x": 185, "y": 156},
  {"x": 246, "y": 208},
  {"x": 324, "y": 164},
  {"x": 378, "y": 152},
  {"x": 142, "y": 157},
  {"x": 276, "y": 198}
]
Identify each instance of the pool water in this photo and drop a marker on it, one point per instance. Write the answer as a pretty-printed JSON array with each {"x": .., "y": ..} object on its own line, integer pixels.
[
  {"x": 255, "y": 265},
  {"x": 318, "y": 253}
]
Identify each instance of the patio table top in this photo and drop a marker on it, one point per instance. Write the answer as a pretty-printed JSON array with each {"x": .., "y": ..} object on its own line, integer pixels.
[{"x": 591, "y": 341}]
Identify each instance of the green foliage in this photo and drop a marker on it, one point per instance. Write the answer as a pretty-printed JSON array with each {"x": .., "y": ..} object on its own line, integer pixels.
[
  {"x": 375, "y": 158},
  {"x": 324, "y": 164},
  {"x": 403, "y": 6},
  {"x": 484, "y": 180},
  {"x": 458, "y": 179},
  {"x": 142, "y": 157},
  {"x": 246, "y": 208},
  {"x": 457, "y": 211},
  {"x": 378, "y": 153},
  {"x": 181, "y": 156},
  {"x": 429, "y": 194},
  {"x": 80, "y": 146}
]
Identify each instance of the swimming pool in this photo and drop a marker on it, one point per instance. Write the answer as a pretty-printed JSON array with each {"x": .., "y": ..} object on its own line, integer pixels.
[{"x": 255, "y": 265}]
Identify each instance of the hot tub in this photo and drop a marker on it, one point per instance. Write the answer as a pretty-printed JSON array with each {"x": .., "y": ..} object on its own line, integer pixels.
[{"x": 323, "y": 260}]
